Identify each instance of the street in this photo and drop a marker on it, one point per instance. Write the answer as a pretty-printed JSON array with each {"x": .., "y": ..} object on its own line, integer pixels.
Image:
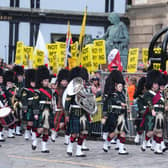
[{"x": 17, "y": 153}]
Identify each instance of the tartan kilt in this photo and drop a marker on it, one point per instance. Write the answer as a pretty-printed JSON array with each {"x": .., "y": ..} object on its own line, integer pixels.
[
  {"x": 28, "y": 116},
  {"x": 40, "y": 123},
  {"x": 111, "y": 122},
  {"x": 59, "y": 117},
  {"x": 75, "y": 126},
  {"x": 149, "y": 122}
]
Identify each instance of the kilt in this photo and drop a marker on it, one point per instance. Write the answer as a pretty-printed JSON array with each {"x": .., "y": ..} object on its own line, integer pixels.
[
  {"x": 113, "y": 125},
  {"x": 76, "y": 126},
  {"x": 45, "y": 119}
]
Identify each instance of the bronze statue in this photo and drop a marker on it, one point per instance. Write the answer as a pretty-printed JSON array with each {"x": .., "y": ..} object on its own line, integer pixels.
[{"x": 117, "y": 37}]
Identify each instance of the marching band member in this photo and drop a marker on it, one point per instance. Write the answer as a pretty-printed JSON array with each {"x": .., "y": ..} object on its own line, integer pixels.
[
  {"x": 139, "y": 96},
  {"x": 27, "y": 98},
  {"x": 115, "y": 110},
  {"x": 45, "y": 118},
  {"x": 19, "y": 82},
  {"x": 9, "y": 80},
  {"x": 153, "y": 116},
  {"x": 163, "y": 81},
  {"x": 77, "y": 117},
  {"x": 2, "y": 139},
  {"x": 59, "y": 118}
]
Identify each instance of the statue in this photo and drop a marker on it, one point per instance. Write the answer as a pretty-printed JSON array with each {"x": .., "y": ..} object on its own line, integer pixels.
[
  {"x": 88, "y": 39},
  {"x": 117, "y": 37}
]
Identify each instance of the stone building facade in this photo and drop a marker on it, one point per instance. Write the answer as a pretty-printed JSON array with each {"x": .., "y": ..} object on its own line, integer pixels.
[{"x": 146, "y": 18}]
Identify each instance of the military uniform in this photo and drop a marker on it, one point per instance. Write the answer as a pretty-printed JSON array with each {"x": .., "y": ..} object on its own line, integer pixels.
[
  {"x": 115, "y": 111},
  {"x": 19, "y": 71},
  {"x": 78, "y": 117}
]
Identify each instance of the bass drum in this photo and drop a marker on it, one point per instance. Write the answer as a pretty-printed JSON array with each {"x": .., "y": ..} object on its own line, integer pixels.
[{"x": 7, "y": 118}]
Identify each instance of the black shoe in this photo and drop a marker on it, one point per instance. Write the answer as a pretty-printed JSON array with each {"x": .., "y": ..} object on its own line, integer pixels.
[
  {"x": 123, "y": 153},
  {"x": 34, "y": 147},
  {"x": 69, "y": 153},
  {"x": 65, "y": 143},
  {"x": 81, "y": 155},
  {"x": 158, "y": 153},
  {"x": 105, "y": 150},
  {"x": 165, "y": 149},
  {"x": 2, "y": 140},
  {"x": 143, "y": 150},
  {"x": 85, "y": 149},
  {"x": 52, "y": 140},
  {"x": 116, "y": 148},
  {"x": 46, "y": 151}
]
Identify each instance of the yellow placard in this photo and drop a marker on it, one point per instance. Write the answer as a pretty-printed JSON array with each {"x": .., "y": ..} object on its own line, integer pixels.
[
  {"x": 52, "y": 53},
  {"x": 28, "y": 55},
  {"x": 100, "y": 44},
  {"x": 19, "y": 53},
  {"x": 86, "y": 59},
  {"x": 132, "y": 60},
  {"x": 145, "y": 56},
  {"x": 98, "y": 115},
  {"x": 61, "y": 54},
  {"x": 157, "y": 50},
  {"x": 39, "y": 58},
  {"x": 156, "y": 66},
  {"x": 74, "y": 49},
  {"x": 95, "y": 58}
]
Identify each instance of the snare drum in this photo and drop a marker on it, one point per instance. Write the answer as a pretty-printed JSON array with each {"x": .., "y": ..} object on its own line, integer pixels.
[{"x": 6, "y": 117}]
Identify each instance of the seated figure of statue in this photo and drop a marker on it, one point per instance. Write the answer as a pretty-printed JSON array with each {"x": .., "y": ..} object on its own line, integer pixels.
[{"x": 117, "y": 37}]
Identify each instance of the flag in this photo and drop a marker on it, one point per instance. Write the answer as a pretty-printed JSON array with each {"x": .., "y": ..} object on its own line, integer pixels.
[
  {"x": 114, "y": 60},
  {"x": 68, "y": 44},
  {"x": 82, "y": 32},
  {"x": 41, "y": 45}
]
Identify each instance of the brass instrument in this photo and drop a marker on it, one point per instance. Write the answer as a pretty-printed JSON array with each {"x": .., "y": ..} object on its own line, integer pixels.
[{"x": 85, "y": 100}]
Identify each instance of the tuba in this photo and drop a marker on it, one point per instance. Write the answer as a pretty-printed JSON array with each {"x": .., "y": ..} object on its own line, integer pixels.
[{"x": 85, "y": 100}]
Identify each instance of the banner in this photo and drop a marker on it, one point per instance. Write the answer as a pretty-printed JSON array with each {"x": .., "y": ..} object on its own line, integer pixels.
[
  {"x": 19, "y": 53},
  {"x": 100, "y": 44},
  {"x": 132, "y": 60}
]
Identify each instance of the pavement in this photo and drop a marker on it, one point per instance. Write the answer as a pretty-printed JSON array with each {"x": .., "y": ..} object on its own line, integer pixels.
[{"x": 17, "y": 153}]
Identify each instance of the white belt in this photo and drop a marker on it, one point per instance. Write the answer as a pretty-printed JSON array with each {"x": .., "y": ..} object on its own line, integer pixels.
[
  {"x": 31, "y": 98},
  {"x": 45, "y": 102},
  {"x": 58, "y": 110},
  {"x": 116, "y": 107},
  {"x": 74, "y": 106},
  {"x": 144, "y": 106},
  {"x": 157, "y": 105}
]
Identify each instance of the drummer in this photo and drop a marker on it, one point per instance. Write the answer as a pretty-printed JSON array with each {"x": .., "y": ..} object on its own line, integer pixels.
[
  {"x": 2, "y": 139},
  {"x": 10, "y": 87}
]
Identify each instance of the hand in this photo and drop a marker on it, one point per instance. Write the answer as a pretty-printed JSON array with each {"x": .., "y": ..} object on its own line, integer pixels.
[
  {"x": 36, "y": 117},
  {"x": 153, "y": 113},
  {"x": 67, "y": 119},
  {"x": 103, "y": 121},
  {"x": 123, "y": 104}
]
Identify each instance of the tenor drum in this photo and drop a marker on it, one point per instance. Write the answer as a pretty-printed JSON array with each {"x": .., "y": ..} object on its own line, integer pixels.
[{"x": 7, "y": 118}]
